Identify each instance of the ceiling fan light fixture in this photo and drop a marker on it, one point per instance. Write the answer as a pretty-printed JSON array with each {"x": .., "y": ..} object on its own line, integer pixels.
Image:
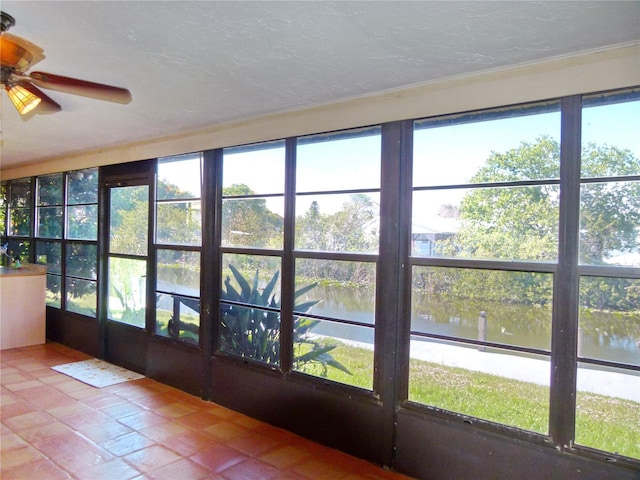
[{"x": 22, "y": 99}]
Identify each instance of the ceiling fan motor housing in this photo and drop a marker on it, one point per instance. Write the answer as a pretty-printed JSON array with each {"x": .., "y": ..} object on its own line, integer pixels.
[{"x": 7, "y": 22}]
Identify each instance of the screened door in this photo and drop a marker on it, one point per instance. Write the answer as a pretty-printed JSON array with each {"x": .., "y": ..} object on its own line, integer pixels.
[{"x": 127, "y": 273}]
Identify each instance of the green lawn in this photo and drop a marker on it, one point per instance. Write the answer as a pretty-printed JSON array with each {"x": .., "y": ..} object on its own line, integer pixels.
[{"x": 602, "y": 422}]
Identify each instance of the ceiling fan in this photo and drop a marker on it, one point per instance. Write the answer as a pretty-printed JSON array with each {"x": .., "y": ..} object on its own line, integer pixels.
[{"x": 17, "y": 55}]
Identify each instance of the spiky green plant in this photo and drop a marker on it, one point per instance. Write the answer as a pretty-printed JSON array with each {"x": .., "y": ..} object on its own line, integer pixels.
[{"x": 255, "y": 332}]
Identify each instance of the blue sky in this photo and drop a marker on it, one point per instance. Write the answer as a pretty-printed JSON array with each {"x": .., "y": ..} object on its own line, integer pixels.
[{"x": 442, "y": 155}]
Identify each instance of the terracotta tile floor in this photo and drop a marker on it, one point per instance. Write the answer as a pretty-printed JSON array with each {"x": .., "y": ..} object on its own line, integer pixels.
[{"x": 55, "y": 427}]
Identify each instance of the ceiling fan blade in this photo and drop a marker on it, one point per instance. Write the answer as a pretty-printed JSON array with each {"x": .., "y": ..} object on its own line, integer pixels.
[
  {"x": 80, "y": 87},
  {"x": 47, "y": 104},
  {"x": 18, "y": 53}
]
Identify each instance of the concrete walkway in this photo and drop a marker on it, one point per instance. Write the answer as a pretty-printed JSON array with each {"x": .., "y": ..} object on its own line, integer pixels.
[
  {"x": 609, "y": 382},
  {"x": 595, "y": 380}
]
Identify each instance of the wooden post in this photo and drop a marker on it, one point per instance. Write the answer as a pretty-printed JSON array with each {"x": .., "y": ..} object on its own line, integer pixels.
[{"x": 482, "y": 330}]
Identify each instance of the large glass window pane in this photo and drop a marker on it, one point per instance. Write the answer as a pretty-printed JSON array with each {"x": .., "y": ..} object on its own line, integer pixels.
[
  {"x": 512, "y": 308},
  {"x": 179, "y": 223},
  {"x": 20, "y": 193},
  {"x": 81, "y": 296},
  {"x": 50, "y": 190},
  {"x": 508, "y": 223},
  {"x": 252, "y": 331},
  {"x": 610, "y": 223},
  {"x": 498, "y": 385},
  {"x": 129, "y": 214},
  {"x": 178, "y": 318},
  {"x": 337, "y": 289},
  {"x": 50, "y": 222},
  {"x": 608, "y": 409},
  {"x": 610, "y": 319},
  {"x": 49, "y": 254},
  {"x": 179, "y": 177},
  {"x": 19, "y": 248},
  {"x": 502, "y": 146},
  {"x": 20, "y": 210},
  {"x": 178, "y": 271},
  {"x": 343, "y": 290},
  {"x": 340, "y": 161},
  {"x": 82, "y": 260},
  {"x": 338, "y": 222},
  {"x": 82, "y": 186},
  {"x": 608, "y": 398},
  {"x": 257, "y": 169},
  {"x": 252, "y": 222},
  {"x": 82, "y": 222},
  {"x": 53, "y": 295},
  {"x": 252, "y": 279},
  {"x": 610, "y": 137},
  {"x": 127, "y": 291},
  {"x": 320, "y": 349},
  {"x": 20, "y": 222}
]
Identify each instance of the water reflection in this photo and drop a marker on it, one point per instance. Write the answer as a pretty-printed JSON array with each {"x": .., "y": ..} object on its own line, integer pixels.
[{"x": 603, "y": 335}]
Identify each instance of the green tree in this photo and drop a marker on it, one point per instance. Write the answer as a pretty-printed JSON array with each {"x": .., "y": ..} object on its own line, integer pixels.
[
  {"x": 610, "y": 212},
  {"x": 521, "y": 223},
  {"x": 351, "y": 229},
  {"x": 513, "y": 223},
  {"x": 248, "y": 221}
]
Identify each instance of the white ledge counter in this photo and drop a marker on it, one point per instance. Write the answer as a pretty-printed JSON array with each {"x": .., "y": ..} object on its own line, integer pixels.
[{"x": 22, "y": 306}]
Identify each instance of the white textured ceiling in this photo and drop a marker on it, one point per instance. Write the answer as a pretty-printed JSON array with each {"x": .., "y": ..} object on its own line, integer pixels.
[{"x": 192, "y": 64}]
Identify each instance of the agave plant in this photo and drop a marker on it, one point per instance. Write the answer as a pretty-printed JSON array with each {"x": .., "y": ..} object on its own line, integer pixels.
[{"x": 255, "y": 332}]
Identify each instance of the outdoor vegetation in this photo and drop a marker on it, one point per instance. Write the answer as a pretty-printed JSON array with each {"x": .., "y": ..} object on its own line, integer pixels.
[
  {"x": 494, "y": 222},
  {"x": 255, "y": 332},
  {"x": 520, "y": 223},
  {"x": 607, "y": 423}
]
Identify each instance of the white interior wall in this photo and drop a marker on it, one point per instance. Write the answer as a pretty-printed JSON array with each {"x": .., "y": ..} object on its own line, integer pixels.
[{"x": 596, "y": 71}]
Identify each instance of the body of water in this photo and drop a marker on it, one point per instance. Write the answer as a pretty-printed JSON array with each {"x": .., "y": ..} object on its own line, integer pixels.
[{"x": 603, "y": 335}]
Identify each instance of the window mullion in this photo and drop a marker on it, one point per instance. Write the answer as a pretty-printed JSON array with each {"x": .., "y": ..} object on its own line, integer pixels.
[
  {"x": 565, "y": 296},
  {"x": 288, "y": 260},
  {"x": 393, "y": 281}
]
